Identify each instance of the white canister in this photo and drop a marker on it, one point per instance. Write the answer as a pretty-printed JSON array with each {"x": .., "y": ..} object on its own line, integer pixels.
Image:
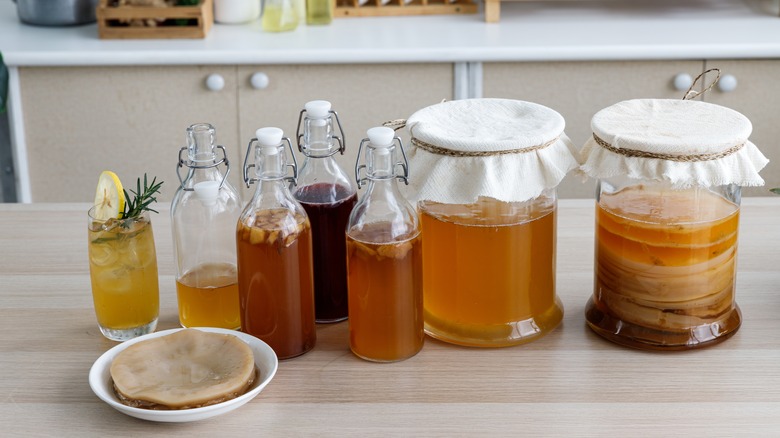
[{"x": 236, "y": 11}]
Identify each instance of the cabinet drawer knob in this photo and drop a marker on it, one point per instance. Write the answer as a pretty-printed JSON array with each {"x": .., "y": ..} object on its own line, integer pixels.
[
  {"x": 727, "y": 83},
  {"x": 215, "y": 82},
  {"x": 259, "y": 81},
  {"x": 682, "y": 82}
]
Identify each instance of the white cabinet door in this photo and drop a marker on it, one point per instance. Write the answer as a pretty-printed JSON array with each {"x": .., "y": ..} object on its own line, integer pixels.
[{"x": 82, "y": 120}]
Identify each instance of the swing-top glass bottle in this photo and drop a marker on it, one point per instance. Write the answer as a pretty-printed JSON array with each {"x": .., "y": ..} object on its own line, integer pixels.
[
  {"x": 204, "y": 212},
  {"x": 384, "y": 258},
  {"x": 328, "y": 196},
  {"x": 275, "y": 284}
]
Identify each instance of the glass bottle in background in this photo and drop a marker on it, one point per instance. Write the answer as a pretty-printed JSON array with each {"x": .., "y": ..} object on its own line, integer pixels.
[
  {"x": 279, "y": 16},
  {"x": 204, "y": 212},
  {"x": 275, "y": 280},
  {"x": 319, "y": 12},
  {"x": 328, "y": 197},
  {"x": 384, "y": 259}
]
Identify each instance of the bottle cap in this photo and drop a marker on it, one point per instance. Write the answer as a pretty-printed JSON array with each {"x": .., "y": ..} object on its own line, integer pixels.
[
  {"x": 381, "y": 136},
  {"x": 268, "y": 139},
  {"x": 317, "y": 108},
  {"x": 207, "y": 192}
]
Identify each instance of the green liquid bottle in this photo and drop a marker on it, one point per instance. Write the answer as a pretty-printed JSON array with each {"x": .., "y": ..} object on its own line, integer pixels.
[
  {"x": 319, "y": 12},
  {"x": 279, "y": 16}
]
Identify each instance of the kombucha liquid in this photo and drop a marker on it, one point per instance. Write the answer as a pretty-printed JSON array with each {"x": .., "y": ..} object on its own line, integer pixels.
[
  {"x": 328, "y": 223},
  {"x": 385, "y": 295},
  {"x": 208, "y": 296},
  {"x": 665, "y": 268},
  {"x": 276, "y": 289},
  {"x": 123, "y": 270},
  {"x": 489, "y": 271}
]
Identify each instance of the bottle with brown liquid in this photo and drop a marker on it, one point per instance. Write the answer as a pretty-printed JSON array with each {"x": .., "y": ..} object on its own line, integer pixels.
[
  {"x": 384, "y": 259},
  {"x": 275, "y": 280},
  {"x": 327, "y": 195},
  {"x": 204, "y": 212}
]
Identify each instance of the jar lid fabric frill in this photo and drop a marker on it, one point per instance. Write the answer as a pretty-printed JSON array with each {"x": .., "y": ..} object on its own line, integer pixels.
[
  {"x": 505, "y": 149},
  {"x": 684, "y": 142}
]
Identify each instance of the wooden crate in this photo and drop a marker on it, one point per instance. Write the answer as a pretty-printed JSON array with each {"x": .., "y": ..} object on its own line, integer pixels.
[
  {"x": 373, "y": 8},
  {"x": 112, "y": 21}
]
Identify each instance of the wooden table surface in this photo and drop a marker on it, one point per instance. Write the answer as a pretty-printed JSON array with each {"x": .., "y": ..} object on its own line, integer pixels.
[{"x": 569, "y": 383}]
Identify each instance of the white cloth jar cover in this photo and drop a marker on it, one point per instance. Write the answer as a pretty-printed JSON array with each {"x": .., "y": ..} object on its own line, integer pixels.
[
  {"x": 505, "y": 149},
  {"x": 683, "y": 142}
]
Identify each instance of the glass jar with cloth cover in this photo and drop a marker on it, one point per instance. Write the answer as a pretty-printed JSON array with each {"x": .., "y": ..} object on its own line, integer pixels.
[
  {"x": 667, "y": 214},
  {"x": 486, "y": 172}
]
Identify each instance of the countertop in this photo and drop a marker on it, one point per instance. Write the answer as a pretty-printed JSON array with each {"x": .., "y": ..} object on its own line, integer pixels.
[
  {"x": 569, "y": 383},
  {"x": 528, "y": 31}
]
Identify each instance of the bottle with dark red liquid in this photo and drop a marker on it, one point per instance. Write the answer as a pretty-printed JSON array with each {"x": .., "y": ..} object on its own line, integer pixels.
[{"x": 327, "y": 195}]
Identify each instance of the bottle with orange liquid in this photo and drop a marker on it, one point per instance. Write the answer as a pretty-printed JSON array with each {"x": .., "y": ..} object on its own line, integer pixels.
[
  {"x": 204, "y": 212},
  {"x": 667, "y": 216},
  {"x": 486, "y": 193},
  {"x": 275, "y": 271},
  {"x": 384, "y": 259}
]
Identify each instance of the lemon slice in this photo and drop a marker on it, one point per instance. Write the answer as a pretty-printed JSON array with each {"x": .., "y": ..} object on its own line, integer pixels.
[{"x": 109, "y": 197}]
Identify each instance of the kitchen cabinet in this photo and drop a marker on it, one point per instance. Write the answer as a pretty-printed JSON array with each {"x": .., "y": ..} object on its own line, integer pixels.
[
  {"x": 82, "y": 120},
  {"x": 750, "y": 87},
  {"x": 577, "y": 90}
]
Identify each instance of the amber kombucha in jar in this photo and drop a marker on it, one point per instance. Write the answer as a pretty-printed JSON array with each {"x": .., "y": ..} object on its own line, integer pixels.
[
  {"x": 489, "y": 271},
  {"x": 665, "y": 267},
  {"x": 487, "y": 206}
]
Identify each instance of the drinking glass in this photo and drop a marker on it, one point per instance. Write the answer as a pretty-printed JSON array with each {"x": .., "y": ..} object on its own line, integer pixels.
[{"x": 123, "y": 270}]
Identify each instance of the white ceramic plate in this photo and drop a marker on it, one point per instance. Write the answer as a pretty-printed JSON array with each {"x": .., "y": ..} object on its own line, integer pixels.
[{"x": 100, "y": 380}]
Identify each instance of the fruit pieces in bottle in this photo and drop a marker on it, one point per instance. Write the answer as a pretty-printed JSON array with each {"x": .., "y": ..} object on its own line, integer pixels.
[
  {"x": 385, "y": 294},
  {"x": 208, "y": 296},
  {"x": 123, "y": 271},
  {"x": 328, "y": 222},
  {"x": 276, "y": 293},
  {"x": 665, "y": 268},
  {"x": 490, "y": 271}
]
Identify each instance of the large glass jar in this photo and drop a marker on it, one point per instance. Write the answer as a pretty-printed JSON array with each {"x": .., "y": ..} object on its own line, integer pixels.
[
  {"x": 667, "y": 216},
  {"x": 487, "y": 201}
]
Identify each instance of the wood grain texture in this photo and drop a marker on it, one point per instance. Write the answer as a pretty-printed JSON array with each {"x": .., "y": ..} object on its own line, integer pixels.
[{"x": 569, "y": 383}]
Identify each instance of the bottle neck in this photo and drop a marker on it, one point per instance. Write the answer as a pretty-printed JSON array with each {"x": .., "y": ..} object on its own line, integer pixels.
[
  {"x": 270, "y": 163},
  {"x": 201, "y": 139},
  {"x": 318, "y": 138},
  {"x": 380, "y": 163}
]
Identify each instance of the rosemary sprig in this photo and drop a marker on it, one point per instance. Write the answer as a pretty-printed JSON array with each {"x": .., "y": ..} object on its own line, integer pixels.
[{"x": 141, "y": 199}]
